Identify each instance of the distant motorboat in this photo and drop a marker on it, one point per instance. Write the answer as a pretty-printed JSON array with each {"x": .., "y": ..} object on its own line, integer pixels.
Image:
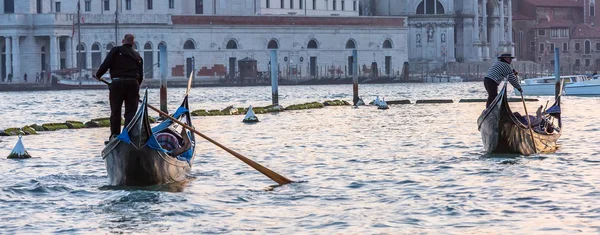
[
  {"x": 80, "y": 84},
  {"x": 574, "y": 85},
  {"x": 443, "y": 79}
]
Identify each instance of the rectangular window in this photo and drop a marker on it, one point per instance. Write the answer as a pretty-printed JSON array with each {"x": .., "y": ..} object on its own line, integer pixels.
[
  {"x": 57, "y": 7},
  {"x": 282, "y": 4},
  {"x": 592, "y": 10},
  {"x": 577, "y": 62},
  {"x": 541, "y": 32},
  {"x": 39, "y": 6},
  {"x": 334, "y": 4},
  {"x": 552, "y": 62},
  {"x": 587, "y": 62},
  {"x": 577, "y": 46},
  {"x": 149, "y": 4},
  {"x": 291, "y": 4},
  {"x": 551, "y": 47},
  {"x": 9, "y": 7},
  {"x": 564, "y": 33},
  {"x": 301, "y": 5},
  {"x": 541, "y": 48},
  {"x": 354, "y": 6},
  {"x": 554, "y": 33},
  {"x": 268, "y": 3},
  {"x": 597, "y": 46},
  {"x": 128, "y": 5},
  {"x": 107, "y": 5},
  {"x": 171, "y": 4},
  {"x": 199, "y": 6},
  {"x": 88, "y": 5},
  {"x": 343, "y": 7},
  {"x": 314, "y": 4},
  {"x": 532, "y": 46},
  {"x": 565, "y": 46}
]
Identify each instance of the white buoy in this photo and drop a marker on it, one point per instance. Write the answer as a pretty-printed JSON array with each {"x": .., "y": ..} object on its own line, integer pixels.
[
  {"x": 19, "y": 150},
  {"x": 383, "y": 104},
  {"x": 360, "y": 102},
  {"x": 376, "y": 101},
  {"x": 250, "y": 116}
]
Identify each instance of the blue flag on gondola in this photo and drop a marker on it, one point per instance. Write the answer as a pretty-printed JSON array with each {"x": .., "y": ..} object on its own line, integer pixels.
[{"x": 554, "y": 110}]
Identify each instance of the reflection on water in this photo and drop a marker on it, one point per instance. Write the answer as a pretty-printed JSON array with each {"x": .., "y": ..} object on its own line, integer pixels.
[
  {"x": 410, "y": 169},
  {"x": 173, "y": 187}
]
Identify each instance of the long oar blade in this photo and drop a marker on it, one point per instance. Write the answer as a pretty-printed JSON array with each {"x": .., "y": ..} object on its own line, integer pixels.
[{"x": 281, "y": 180}]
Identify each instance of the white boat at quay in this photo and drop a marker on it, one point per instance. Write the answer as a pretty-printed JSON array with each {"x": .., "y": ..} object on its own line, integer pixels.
[{"x": 575, "y": 85}]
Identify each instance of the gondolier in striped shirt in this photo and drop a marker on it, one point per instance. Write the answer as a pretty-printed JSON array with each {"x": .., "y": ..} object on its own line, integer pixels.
[{"x": 499, "y": 70}]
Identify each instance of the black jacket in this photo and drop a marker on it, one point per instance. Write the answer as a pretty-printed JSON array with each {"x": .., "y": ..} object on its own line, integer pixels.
[{"x": 123, "y": 62}]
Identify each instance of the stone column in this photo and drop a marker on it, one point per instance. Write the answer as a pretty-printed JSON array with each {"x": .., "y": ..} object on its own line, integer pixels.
[
  {"x": 17, "y": 76},
  {"x": 484, "y": 31},
  {"x": 476, "y": 23},
  {"x": 53, "y": 49},
  {"x": 502, "y": 34},
  {"x": 8, "y": 45},
  {"x": 69, "y": 52},
  {"x": 450, "y": 43},
  {"x": 511, "y": 44},
  {"x": 88, "y": 58},
  {"x": 155, "y": 72},
  {"x": 2, "y": 43}
]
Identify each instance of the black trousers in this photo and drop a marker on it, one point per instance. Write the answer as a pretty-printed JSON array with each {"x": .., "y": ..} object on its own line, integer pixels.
[
  {"x": 127, "y": 91},
  {"x": 491, "y": 87}
]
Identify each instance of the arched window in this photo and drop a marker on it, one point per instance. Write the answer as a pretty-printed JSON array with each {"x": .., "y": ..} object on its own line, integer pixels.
[
  {"x": 189, "y": 45},
  {"x": 312, "y": 44},
  {"x": 387, "y": 44},
  {"x": 350, "y": 44},
  {"x": 231, "y": 44},
  {"x": 430, "y": 7},
  {"x": 80, "y": 47},
  {"x": 109, "y": 46},
  {"x": 148, "y": 60},
  {"x": 135, "y": 46},
  {"x": 272, "y": 44},
  {"x": 588, "y": 48},
  {"x": 96, "y": 56}
]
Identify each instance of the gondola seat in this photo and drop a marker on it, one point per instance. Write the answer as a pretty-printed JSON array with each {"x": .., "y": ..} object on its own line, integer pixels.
[{"x": 167, "y": 141}]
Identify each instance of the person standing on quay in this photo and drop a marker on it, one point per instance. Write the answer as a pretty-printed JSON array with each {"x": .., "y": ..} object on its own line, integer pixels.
[
  {"x": 25, "y": 77},
  {"x": 127, "y": 73},
  {"x": 9, "y": 77},
  {"x": 499, "y": 70}
]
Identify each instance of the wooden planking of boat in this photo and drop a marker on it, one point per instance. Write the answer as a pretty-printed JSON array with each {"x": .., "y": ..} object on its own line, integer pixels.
[
  {"x": 503, "y": 131},
  {"x": 143, "y": 156}
]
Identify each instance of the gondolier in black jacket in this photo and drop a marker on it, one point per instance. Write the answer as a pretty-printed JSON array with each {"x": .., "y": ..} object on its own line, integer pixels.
[
  {"x": 499, "y": 70},
  {"x": 127, "y": 73}
]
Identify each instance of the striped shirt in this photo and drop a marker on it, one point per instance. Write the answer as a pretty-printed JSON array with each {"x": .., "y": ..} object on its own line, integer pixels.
[{"x": 501, "y": 69}]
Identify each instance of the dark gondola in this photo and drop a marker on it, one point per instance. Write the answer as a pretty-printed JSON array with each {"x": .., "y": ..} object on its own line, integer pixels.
[
  {"x": 142, "y": 156},
  {"x": 503, "y": 131}
]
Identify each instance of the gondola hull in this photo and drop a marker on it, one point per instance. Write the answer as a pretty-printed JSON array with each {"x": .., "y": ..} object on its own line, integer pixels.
[
  {"x": 127, "y": 165},
  {"x": 501, "y": 131},
  {"x": 135, "y": 157}
]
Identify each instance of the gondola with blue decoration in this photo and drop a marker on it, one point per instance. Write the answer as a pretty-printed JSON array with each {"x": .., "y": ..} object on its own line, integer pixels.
[{"x": 142, "y": 156}]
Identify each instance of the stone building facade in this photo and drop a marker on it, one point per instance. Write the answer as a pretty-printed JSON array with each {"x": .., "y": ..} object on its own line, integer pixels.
[
  {"x": 40, "y": 35},
  {"x": 454, "y": 30},
  {"x": 570, "y": 25}
]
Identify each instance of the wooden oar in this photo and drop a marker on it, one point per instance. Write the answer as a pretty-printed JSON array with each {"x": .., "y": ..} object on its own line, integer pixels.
[
  {"x": 529, "y": 123},
  {"x": 281, "y": 180}
]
